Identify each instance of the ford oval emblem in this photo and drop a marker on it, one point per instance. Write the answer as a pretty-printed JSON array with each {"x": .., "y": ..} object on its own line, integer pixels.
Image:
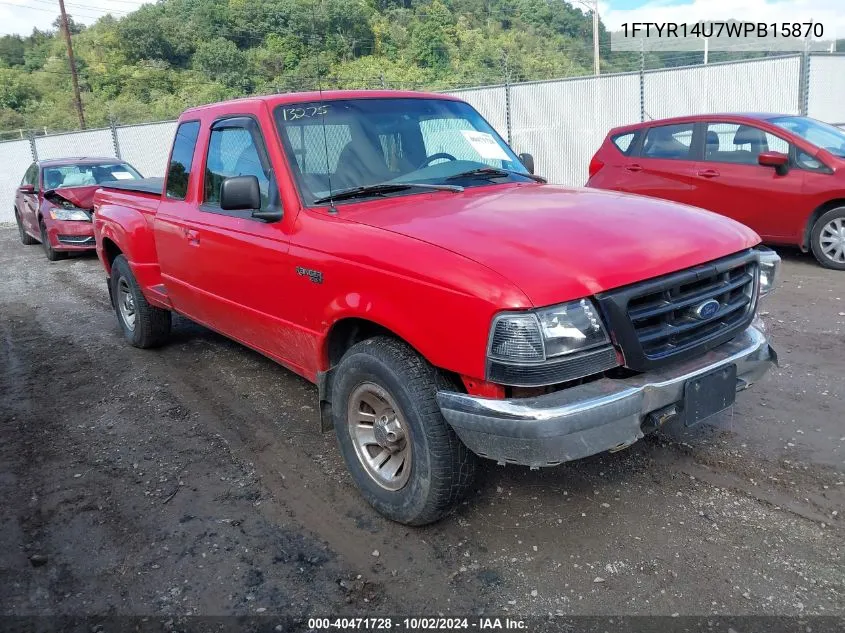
[{"x": 706, "y": 310}]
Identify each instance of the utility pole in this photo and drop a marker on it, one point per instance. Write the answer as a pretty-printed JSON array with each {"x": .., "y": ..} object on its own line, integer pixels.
[
  {"x": 593, "y": 6},
  {"x": 72, "y": 63},
  {"x": 596, "y": 37}
]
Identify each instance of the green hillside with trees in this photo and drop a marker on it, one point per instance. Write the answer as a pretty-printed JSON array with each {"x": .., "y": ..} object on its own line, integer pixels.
[{"x": 152, "y": 63}]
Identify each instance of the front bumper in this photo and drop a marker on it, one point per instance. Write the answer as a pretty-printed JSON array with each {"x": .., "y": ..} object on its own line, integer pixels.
[
  {"x": 71, "y": 235},
  {"x": 594, "y": 417}
]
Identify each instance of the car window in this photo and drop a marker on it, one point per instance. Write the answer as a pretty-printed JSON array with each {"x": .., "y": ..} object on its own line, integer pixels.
[
  {"x": 31, "y": 176},
  {"x": 668, "y": 141},
  {"x": 182, "y": 157},
  {"x": 238, "y": 151},
  {"x": 739, "y": 143},
  {"x": 818, "y": 133},
  {"x": 87, "y": 174},
  {"x": 624, "y": 142},
  {"x": 805, "y": 161}
]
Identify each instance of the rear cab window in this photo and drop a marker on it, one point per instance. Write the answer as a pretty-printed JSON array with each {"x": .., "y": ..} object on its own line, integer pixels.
[
  {"x": 181, "y": 160},
  {"x": 672, "y": 142}
]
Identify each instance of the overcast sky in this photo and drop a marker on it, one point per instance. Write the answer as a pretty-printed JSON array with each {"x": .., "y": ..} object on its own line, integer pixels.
[{"x": 20, "y": 16}]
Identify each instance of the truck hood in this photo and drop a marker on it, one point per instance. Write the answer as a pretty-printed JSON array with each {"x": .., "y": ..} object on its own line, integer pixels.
[
  {"x": 558, "y": 243},
  {"x": 82, "y": 197}
]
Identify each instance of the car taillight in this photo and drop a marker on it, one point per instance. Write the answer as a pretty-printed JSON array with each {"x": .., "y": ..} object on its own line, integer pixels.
[{"x": 595, "y": 165}]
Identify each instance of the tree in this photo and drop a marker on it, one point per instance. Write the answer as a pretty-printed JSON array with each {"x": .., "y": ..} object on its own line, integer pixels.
[
  {"x": 12, "y": 50},
  {"x": 220, "y": 60},
  {"x": 431, "y": 35}
]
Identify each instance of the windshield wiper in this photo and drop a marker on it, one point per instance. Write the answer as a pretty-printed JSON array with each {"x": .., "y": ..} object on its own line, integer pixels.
[
  {"x": 383, "y": 187},
  {"x": 494, "y": 172}
]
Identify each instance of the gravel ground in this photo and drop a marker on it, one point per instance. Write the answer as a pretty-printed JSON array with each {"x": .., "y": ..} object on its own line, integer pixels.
[{"x": 192, "y": 480}]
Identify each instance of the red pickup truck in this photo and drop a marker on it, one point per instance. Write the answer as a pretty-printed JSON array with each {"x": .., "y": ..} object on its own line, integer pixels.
[{"x": 449, "y": 304}]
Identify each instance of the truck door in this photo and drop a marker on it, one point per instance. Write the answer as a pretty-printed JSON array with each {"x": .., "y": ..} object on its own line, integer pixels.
[{"x": 229, "y": 269}]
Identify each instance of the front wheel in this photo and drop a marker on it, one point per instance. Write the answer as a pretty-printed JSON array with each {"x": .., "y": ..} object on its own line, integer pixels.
[
  {"x": 403, "y": 456},
  {"x": 52, "y": 254},
  {"x": 828, "y": 239},
  {"x": 143, "y": 325}
]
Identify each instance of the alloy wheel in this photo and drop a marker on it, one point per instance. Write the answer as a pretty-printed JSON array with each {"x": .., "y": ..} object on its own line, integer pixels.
[{"x": 380, "y": 436}]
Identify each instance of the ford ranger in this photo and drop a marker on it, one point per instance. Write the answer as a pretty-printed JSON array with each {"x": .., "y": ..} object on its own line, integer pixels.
[{"x": 447, "y": 302}]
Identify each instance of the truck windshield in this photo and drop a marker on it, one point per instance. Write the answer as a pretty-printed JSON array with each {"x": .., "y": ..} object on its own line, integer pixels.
[
  {"x": 819, "y": 134},
  {"x": 336, "y": 146}
]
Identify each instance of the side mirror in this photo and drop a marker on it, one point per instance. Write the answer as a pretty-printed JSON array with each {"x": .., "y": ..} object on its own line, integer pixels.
[
  {"x": 27, "y": 189},
  {"x": 528, "y": 161},
  {"x": 777, "y": 160},
  {"x": 240, "y": 193}
]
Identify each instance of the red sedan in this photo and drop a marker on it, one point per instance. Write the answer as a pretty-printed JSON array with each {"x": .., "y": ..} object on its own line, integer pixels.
[
  {"x": 54, "y": 202},
  {"x": 781, "y": 175}
]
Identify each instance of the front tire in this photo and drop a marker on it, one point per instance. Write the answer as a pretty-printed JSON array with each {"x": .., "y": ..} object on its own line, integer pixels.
[
  {"x": 143, "y": 325},
  {"x": 405, "y": 459},
  {"x": 828, "y": 239},
  {"x": 52, "y": 254},
  {"x": 26, "y": 238}
]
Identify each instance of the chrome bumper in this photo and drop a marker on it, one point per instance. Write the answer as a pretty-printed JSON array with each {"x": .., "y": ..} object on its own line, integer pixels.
[{"x": 594, "y": 417}]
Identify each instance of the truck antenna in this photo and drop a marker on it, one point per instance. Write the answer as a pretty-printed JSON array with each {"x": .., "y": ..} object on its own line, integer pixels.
[{"x": 332, "y": 208}]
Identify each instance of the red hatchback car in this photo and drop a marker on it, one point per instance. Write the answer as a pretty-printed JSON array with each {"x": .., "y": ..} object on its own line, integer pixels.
[
  {"x": 54, "y": 201},
  {"x": 781, "y": 175}
]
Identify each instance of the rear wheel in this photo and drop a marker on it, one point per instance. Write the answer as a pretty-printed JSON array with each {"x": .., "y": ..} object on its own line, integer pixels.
[
  {"x": 52, "y": 254},
  {"x": 403, "y": 456},
  {"x": 828, "y": 239},
  {"x": 143, "y": 325},
  {"x": 26, "y": 238}
]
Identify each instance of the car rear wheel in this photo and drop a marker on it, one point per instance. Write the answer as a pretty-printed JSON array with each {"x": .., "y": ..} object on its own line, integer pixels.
[
  {"x": 52, "y": 254},
  {"x": 402, "y": 455},
  {"x": 143, "y": 325},
  {"x": 828, "y": 239},
  {"x": 26, "y": 238}
]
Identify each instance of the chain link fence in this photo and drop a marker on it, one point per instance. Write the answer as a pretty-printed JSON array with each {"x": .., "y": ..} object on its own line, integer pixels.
[{"x": 561, "y": 122}]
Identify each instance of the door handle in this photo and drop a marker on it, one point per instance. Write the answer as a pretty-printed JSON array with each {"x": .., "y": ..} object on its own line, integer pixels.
[
  {"x": 634, "y": 167},
  {"x": 192, "y": 236},
  {"x": 708, "y": 173}
]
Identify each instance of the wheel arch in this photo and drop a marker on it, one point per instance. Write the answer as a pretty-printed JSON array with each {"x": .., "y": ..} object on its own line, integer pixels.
[
  {"x": 343, "y": 334},
  {"x": 110, "y": 252},
  {"x": 814, "y": 216}
]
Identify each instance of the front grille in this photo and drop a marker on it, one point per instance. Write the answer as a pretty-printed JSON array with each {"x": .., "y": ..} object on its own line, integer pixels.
[
  {"x": 657, "y": 321},
  {"x": 77, "y": 240}
]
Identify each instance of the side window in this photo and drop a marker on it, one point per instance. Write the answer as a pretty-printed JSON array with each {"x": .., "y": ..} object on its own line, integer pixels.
[
  {"x": 668, "y": 141},
  {"x": 237, "y": 151},
  {"x": 624, "y": 142},
  {"x": 31, "y": 176},
  {"x": 180, "y": 162},
  {"x": 740, "y": 144},
  {"x": 805, "y": 161}
]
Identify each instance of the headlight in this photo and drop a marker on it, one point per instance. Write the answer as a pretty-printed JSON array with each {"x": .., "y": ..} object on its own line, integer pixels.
[
  {"x": 549, "y": 346},
  {"x": 65, "y": 213},
  {"x": 571, "y": 327},
  {"x": 769, "y": 270}
]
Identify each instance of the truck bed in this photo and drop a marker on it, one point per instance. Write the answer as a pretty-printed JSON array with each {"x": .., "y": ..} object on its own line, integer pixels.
[{"x": 141, "y": 185}]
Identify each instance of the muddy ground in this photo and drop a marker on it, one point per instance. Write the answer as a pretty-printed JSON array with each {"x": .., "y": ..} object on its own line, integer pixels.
[{"x": 191, "y": 480}]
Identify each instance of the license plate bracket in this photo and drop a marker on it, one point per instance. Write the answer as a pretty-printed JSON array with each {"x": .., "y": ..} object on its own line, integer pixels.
[{"x": 707, "y": 395}]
